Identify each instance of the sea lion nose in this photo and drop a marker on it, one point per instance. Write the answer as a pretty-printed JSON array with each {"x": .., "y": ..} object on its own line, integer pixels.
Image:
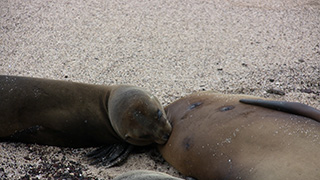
[{"x": 166, "y": 137}]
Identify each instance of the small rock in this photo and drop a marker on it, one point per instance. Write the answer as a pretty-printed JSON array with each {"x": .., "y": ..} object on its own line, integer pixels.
[{"x": 276, "y": 91}]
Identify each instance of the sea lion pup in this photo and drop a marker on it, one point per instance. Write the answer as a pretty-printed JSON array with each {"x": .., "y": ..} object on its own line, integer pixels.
[
  {"x": 145, "y": 175},
  {"x": 70, "y": 114},
  {"x": 214, "y": 136}
]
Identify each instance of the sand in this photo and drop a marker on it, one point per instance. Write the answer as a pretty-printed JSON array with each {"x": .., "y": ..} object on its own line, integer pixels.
[{"x": 172, "y": 48}]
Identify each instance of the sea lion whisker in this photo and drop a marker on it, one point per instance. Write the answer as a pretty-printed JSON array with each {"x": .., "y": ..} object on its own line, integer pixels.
[{"x": 169, "y": 116}]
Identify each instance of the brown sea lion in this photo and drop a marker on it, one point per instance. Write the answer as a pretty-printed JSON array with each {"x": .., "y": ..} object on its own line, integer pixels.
[
  {"x": 145, "y": 175},
  {"x": 63, "y": 113},
  {"x": 214, "y": 136}
]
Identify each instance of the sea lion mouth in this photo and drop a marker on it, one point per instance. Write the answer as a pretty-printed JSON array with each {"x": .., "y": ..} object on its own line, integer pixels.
[
  {"x": 163, "y": 139},
  {"x": 164, "y": 134}
]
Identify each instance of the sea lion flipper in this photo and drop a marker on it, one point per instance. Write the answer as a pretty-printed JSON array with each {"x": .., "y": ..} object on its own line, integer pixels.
[
  {"x": 111, "y": 155},
  {"x": 289, "y": 107}
]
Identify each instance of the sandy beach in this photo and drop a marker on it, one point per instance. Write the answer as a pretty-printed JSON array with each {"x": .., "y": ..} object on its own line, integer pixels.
[{"x": 170, "y": 48}]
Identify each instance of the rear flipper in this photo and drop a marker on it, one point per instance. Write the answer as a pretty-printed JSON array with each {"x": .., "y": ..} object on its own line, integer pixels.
[
  {"x": 289, "y": 107},
  {"x": 111, "y": 155}
]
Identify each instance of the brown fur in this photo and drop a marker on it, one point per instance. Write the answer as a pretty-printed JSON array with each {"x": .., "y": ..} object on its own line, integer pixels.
[
  {"x": 215, "y": 136},
  {"x": 63, "y": 113}
]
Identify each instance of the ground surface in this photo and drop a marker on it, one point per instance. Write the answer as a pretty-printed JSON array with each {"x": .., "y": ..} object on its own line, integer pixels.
[{"x": 171, "y": 48}]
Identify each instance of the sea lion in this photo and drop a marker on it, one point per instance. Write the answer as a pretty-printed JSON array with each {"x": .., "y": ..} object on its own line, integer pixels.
[
  {"x": 215, "y": 136},
  {"x": 145, "y": 175},
  {"x": 64, "y": 113}
]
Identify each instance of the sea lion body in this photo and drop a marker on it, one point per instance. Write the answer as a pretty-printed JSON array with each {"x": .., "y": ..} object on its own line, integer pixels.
[
  {"x": 214, "y": 136},
  {"x": 63, "y": 113},
  {"x": 145, "y": 175}
]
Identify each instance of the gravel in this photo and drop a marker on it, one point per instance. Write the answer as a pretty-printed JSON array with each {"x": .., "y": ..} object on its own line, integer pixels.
[{"x": 172, "y": 48}]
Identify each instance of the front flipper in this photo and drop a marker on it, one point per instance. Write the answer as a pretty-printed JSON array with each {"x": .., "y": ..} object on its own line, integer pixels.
[
  {"x": 289, "y": 107},
  {"x": 111, "y": 155}
]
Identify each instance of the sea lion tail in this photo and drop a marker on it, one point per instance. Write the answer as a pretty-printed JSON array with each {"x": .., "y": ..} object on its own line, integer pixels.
[{"x": 289, "y": 107}]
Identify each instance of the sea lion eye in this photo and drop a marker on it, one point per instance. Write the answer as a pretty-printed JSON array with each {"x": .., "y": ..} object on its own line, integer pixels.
[{"x": 159, "y": 114}]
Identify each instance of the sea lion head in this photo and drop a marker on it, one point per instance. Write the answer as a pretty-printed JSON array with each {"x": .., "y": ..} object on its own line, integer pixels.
[{"x": 137, "y": 116}]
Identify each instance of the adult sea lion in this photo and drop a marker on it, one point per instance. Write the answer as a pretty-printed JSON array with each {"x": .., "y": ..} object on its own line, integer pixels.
[
  {"x": 62, "y": 113},
  {"x": 215, "y": 136}
]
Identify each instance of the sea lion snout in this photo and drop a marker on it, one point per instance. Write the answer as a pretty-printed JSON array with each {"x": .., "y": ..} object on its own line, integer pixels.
[
  {"x": 166, "y": 137},
  {"x": 163, "y": 139},
  {"x": 165, "y": 134}
]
